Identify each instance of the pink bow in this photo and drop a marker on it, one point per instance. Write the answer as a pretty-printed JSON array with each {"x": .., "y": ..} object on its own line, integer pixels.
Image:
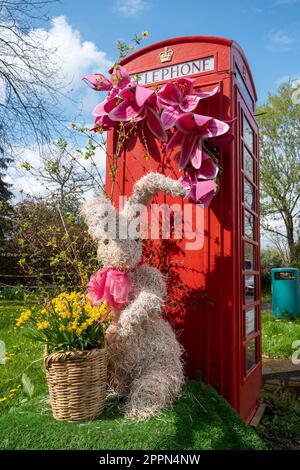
[{"x": 112, "y": 285}]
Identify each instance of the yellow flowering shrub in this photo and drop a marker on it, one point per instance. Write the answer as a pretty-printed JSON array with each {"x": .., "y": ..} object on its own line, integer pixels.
[{"x": 68, "y": 321}]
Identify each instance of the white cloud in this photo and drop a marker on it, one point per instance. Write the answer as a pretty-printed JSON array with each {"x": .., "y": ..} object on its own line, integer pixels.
[
  {"x": 287, "y": 79},
  {"x": 281, "y": 40},
  {"x": 75, "y": 56},
  {"x": 71, "y": 58},
  {"x": 130, "y": 7}
]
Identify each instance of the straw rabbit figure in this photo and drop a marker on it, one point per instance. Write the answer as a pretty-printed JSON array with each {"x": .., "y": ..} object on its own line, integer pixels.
[{"x": 144, "y": 354}]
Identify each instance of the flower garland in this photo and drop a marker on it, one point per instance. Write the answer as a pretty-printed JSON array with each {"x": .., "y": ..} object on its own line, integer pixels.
[{"x": 171, "y": 117}]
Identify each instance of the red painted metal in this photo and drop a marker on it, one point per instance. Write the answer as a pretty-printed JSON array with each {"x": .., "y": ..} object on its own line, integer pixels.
[{"x": 214, "y": 332}]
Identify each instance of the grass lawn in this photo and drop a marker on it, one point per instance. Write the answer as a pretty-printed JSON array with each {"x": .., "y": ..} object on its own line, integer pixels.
[
  {"x": 278, "y": 334},
  {"x": 200, "y": 419}
]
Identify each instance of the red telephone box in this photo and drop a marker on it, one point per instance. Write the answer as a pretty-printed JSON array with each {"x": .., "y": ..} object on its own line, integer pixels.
[{"x": 222, "y": 331}]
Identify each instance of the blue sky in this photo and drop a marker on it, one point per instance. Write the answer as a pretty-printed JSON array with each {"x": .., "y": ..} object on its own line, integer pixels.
[
  {"x": 84, "y": 36},
  {"x": 267, "y": 30}
]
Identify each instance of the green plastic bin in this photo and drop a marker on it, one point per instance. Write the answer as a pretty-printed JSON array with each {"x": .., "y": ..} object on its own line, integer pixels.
[{"x": 285, "y": 292}]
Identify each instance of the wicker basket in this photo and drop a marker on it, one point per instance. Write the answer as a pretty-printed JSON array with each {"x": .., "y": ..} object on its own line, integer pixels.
[{"x": 77, "y": 384}]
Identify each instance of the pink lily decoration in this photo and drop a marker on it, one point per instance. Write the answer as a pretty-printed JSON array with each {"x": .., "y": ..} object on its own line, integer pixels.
[
  {"x": 191, "y": 130},
  {"x": 200, "y": 189},
  {"x": 139, "y": 103},
  {"x": 98, "y": 82},
  {"x": 102, "y": 111},
  {"x": 179, "y": 98},
  {"x": 120, "y": 78}
]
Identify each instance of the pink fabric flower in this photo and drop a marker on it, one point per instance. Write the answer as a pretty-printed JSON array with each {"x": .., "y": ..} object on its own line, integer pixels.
[
  {"x": 200, "y": 189},
  {"x": 98, "y": 82},
  {"x": 139, "y": 103},
  {"x": 120, "y": 78},
  {"x": 102, "y": 111},
  {"x": 179, "y": 98},
  {"x": 111, "y": 285},
  {"x": 191, "y": 130}
]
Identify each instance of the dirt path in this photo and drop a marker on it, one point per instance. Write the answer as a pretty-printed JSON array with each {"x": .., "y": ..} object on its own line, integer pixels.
[{"x": 281, "y": 373}]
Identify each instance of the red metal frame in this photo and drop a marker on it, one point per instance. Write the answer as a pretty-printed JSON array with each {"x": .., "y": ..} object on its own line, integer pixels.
[{"x": 213, "y": 333}]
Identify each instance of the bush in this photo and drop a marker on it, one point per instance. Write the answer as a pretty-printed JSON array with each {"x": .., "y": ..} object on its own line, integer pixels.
[{"x": 269, "y": 259}]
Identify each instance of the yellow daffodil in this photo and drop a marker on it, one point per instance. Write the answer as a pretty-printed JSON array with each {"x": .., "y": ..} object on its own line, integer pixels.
[
  {"x": 23, "y": 317},
  {"x": 13, "y": 390},
  {"x": 66, "y": 318},
  {"x": 42, "y": 325},
  {"x": 3, "y": 399}
]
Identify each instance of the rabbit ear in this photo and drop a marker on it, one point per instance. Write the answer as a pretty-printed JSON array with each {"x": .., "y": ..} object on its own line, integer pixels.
[
  {"x": 100, "y": 217},
  {"x": 146, "y": 187}
]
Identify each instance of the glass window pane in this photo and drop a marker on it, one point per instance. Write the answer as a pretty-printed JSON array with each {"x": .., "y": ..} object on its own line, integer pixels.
[
  {"x": 250, "y": 321},
  {"x": 246, "y": 93},
  {"x": 250, "y": 354},
  {"x": 249, "y": 225},
  {"x": 248, "y": 194},
  {"x": 249, "y": 253},
  {"x": 249, "y": 289},
  {"x": 248, "y": 134},
  {"x": 248, "y": 164}
]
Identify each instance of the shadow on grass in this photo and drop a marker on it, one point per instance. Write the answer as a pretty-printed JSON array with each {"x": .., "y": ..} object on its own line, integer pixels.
[
  {"x": 200, "y": 419},
  {"x": 203, "y": 420}
]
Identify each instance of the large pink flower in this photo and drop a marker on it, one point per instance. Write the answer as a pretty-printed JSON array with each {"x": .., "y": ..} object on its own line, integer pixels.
[
  {"x": 102, "y": 111},
  {"x": 191, "y": 129},
  {"x": 139, "y": 103},
  {"x": 98, "y": 82},
  {"x": 120, "y": 78},
  {"x": 200, "y": 183},
  {"x": 179, "y": 98},
  {"x": 199, "y": 191}
]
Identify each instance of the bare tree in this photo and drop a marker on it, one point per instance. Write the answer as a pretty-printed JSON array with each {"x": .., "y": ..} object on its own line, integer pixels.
[
  {"x": 31, "y": 84},
  {"x": 65, "y": 174}
]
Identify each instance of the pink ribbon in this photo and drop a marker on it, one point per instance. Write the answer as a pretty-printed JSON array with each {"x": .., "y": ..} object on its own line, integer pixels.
[{"x": 112, "y": 285}]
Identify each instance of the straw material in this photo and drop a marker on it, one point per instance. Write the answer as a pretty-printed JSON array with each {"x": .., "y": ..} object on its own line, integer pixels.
[{"x": 77, "y": 382}]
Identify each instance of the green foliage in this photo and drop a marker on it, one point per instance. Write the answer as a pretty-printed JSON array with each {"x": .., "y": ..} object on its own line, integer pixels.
[
  {"x": 269, "y": 258},
  {"x": 6, "y": 210},
  {"x": 22, "y": 356},
  {"x": 280, "y": 425},
  {"x": 124, "y": 48},
  {"x": 279, "y": 334},
  {"x": 280, "y": 165},
  {"x": 52, "y": 245}
]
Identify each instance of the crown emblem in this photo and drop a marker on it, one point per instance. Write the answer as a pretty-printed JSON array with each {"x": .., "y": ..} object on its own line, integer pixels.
[{"x": 166, "y": 55}]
